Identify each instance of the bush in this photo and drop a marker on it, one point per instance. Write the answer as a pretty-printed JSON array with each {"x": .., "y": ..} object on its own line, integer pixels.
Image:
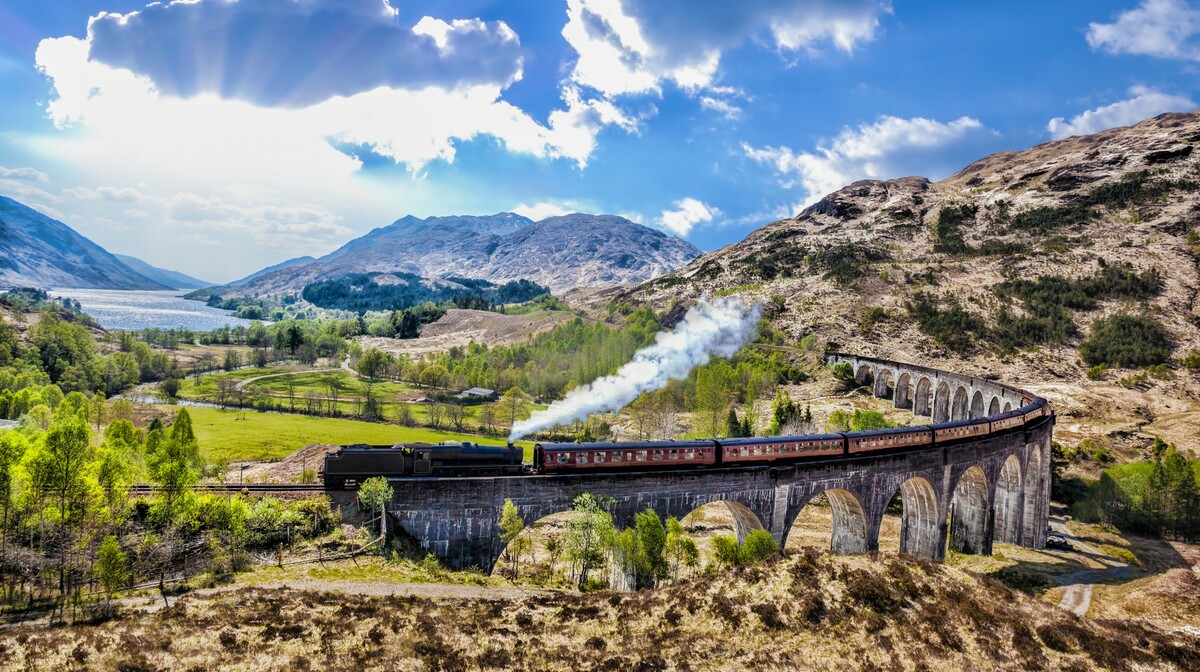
[
  {"x": 1097, "y": 372},
  {"x": 953, "y": 327},
  {"x": 1126, "y": 341}
]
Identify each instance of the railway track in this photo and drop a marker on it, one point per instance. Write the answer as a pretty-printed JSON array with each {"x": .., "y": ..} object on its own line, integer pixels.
[{"x": 239, "y": 487}]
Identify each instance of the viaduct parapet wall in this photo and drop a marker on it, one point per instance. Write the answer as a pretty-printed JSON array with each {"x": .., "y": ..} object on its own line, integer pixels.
[{"x": 967, "y": 495}]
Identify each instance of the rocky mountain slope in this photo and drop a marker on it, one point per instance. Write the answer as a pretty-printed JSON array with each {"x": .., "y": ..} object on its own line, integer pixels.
[
  {"x": 947, "y": 273},
  {"x": 37, "y": 251},
  {"x": 559, "y": 252},
  {"x": 163, "y": 276}
]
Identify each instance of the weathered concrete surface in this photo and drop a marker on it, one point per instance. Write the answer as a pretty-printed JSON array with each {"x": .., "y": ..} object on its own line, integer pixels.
[{"x": 997, "y": 487}]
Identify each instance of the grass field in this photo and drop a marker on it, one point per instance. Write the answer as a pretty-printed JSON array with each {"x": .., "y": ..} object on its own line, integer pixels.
[{"x": 242, "y": 435}]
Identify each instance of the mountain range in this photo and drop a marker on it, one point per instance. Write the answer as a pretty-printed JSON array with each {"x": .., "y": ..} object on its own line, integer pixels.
[
  {"x": 37, "y": 251},
  {"x": 172, "y": 279},
  {"x": 561, "y": 253}
]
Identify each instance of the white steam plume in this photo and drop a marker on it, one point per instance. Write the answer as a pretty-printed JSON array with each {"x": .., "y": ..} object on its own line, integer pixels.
[{"x": 709, "y": 328}]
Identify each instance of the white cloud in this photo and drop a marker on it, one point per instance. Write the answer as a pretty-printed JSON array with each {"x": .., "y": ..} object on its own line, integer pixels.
[
  {"x": 891, "y": 147},
  {"x": 116, "y": 194},
  {"x": 633, "y": 46},
  {"x": 721, "y": 106},
  {"x": 285, "y": 52},
  {"x": 1160, "y": 28},
  {"x": 27, "y": 174},
  {"x": 539, "y": 211},
  {"x": 136, "y": 213},
  {"x": 127, "y": 115},
  {"x": 687, "y": 213},
  {"x": 1145, "y": 103},
  {"x": 275, "y": 226}
]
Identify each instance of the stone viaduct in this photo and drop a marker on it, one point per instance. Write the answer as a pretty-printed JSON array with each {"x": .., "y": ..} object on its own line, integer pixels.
[{"x": 966, "y": 495}]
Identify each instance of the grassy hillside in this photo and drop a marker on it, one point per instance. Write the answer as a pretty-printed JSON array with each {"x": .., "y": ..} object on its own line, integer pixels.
[{"x": 807, "y": 611}]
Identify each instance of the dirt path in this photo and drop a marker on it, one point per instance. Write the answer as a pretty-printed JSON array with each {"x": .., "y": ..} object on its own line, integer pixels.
[
  {"x": 1077, "y": 598},
  {"x": 242, "y": 384}
]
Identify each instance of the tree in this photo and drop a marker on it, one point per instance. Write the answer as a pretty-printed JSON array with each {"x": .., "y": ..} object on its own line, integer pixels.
[
  {"x": 175, "y": 465},
  {"x": 511, "y": 525},
  {"x": 68, "y": 447},
  {"x": 513, "y": 406},
  {"x": 588, "y": 536},
  {"x": 727, "y": 550},
  {"x": 12, "y": 448},
  {"x": 759, "y": 546},
  {"x": 233, "y": 360},
  {"x": 843, "y": 372},
  {"x": 373, "y": 364},
  {"x": 783, "y": 412},
  {"x": 97, "y": 410},
  {"x": 373, "y": 494},
  {"x": 712, "y": 397},
  {"x": 652, "y": 562},
  {"x": 733, "y": 426},
  {"x": 170, "y": 387},
  {"x": 111, "y": 566},
  {"x": 435, "y": 412},
  {"x": 435, "y": 376},
  {"x": 680, "y": 550},
  {"x": 404, "y": 415},
  {"x": 487, "y": 418},
  {"x": 457, "y": 414}
]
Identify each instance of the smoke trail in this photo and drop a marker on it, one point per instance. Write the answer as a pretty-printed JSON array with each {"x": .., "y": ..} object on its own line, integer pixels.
[{"x": 709, "y": 328}]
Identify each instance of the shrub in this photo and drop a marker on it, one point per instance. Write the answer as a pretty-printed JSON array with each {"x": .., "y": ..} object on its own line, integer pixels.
[
  {"x": 953, "y": 327},
  {"x": 1126, "y": 341},
  {"x": 1192, "y": 361},
  {"x": 759, "y": 545},
  {"x": 1097, "y": 372}
]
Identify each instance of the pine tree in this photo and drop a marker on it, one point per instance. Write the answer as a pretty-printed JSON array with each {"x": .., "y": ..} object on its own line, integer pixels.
[{"x": 733, "y": 427}]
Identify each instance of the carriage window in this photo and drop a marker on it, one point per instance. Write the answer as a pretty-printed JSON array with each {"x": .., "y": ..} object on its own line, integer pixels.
[
  {"x": 581, "y": 458},
  {"x": 562, "y": 458},
  {"x": 674, "y": 455},
  {"x": 641, "y": 456},
  {"x": 689, "y": 454},
  {"x": 616, "y": 457},
  {"x": 600, "y": 457},
  {"x": 758, "y": 450},
  {"x": 658, "y": 456}
]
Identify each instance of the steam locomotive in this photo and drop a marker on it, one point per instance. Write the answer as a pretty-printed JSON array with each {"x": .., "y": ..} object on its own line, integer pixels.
[{"x": 358, "y": 462}]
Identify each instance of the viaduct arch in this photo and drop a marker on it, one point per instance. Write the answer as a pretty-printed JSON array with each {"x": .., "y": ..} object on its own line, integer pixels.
[{"x": 965, "y": 496}]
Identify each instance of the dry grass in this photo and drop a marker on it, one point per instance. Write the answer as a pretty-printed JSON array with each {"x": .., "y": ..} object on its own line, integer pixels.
[{"x": 808, "y": 611}]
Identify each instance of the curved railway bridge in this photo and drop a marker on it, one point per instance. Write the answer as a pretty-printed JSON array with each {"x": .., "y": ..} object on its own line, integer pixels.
[{"x": 994, "y": 487}]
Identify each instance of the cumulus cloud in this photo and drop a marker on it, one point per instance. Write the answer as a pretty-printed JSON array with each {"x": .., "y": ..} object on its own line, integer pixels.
[
  {"x": 115, "y": 194},
  {"x": 26, "y": 174},
  {"x": 721, "y": 106},
  {"x": 633, "y": 46},
  {"x": 1144, "y": 103},
  {"x": 1159, "y": 28},
  {"x": 686, "y": 215},
  {"x": 277, "y": 226},
  {"x": 300, "y": 52},
  {"x": 891, "y": 147},
  {"x": 539, "y": 211}
]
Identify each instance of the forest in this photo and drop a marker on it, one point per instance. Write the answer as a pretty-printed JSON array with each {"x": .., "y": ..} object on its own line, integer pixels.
[
  {"x": 362, "y": 292},
  {"x": 70, "y": 524}
]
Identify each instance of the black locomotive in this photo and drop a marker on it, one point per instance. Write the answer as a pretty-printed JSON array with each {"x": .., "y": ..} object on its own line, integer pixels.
[{"x": 358, "y": 462}]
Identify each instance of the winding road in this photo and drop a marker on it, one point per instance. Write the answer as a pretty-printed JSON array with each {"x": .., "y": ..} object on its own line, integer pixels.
[{"x": 1078, "y": 595}]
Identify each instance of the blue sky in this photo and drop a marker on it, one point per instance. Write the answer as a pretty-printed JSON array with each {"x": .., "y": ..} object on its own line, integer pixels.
[{"x": 217, "y": 137}]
